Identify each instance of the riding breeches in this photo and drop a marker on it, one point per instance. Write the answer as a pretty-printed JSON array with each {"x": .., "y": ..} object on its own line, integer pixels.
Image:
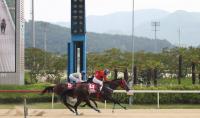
[
  {"x": 72, "y": 78},
  {"x": 99, "y": 82}
]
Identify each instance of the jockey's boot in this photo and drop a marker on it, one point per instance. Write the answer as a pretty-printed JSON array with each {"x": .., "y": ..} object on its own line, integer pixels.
[{"x": 100, "y": 88}]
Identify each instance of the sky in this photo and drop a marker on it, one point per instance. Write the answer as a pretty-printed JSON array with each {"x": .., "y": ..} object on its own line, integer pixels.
[{"x": 59, "y": 10}]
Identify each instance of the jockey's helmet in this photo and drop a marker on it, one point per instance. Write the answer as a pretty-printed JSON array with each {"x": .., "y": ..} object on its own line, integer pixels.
[
  {"x": 83, "y": 72},
  {"x": 106, "y": 71}
]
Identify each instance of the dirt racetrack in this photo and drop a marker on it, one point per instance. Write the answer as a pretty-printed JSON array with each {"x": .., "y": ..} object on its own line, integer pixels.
[{"x": 105, "y": 113}]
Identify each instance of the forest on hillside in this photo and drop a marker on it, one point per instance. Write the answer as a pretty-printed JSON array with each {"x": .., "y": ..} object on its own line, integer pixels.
[{"x": 57, "y": 38}]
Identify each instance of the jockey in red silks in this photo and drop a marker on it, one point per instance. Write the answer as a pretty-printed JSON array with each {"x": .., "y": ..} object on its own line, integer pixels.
[{"x": 101, "y": 76}]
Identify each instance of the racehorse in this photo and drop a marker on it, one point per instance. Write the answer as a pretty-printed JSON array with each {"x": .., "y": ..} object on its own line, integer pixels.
[
  {"x": 59, "y": 89},
  {"x": 105, "y": 93},
  {"x": 3, "y": 26},
  {"x": 81, "y": 93}
]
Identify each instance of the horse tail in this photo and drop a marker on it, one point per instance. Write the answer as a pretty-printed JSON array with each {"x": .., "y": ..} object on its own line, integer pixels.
[{"x": 48, "y": 89}]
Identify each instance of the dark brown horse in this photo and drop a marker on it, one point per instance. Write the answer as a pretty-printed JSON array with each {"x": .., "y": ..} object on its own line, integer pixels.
[
  {"x": 82, "y": 93},
  {"x": 60, "y": 88},
  {"x": 105, "y": 94}
]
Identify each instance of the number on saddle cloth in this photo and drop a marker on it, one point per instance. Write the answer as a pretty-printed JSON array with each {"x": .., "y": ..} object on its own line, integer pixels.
[
  {"x": 70, "y": 85},
  {"x": 93, "y": 88}
]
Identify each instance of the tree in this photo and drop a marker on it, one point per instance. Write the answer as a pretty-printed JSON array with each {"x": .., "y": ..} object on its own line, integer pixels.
[{"x": 42, "y": 63}]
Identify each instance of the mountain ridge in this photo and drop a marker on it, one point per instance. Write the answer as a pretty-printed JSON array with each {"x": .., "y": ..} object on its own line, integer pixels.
[
  {"x": 57, "y": 38},
  {"x": 170, "y": 23}
]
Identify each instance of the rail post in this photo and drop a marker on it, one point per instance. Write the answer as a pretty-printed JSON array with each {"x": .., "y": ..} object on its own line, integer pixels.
[
  {"x": 158, "y": 100},
  {"x": 25, "y": 109},
  {"x": 52, "y": 101},
  {"x": 105, "y": 104}
]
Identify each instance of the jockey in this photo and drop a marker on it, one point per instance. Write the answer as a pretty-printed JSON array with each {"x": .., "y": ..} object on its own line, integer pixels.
[
  {"x": 3, "y": 25},
  {"x": 101, "y": 76},
  {"x": 76, "y": 77}
]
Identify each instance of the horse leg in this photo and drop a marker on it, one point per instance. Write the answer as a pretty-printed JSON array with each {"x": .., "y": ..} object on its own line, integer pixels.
[
  {"x": 113, "y": 108},
  {"x": 63, "y": 98},
  {"x": 119, "y": 105},
  {"x": 114, "y": 102},
  {"x": 89, "y": 104},
  {"x": 68, "y": 106},
  {"x": 76, "y": 105},
  {"x": 93, "y": 100},
  {"x": 117, "y": 102}
]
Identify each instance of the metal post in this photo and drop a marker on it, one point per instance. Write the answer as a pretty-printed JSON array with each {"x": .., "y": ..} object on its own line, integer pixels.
[
  {"x": 33, "y": 25},
  {"x": 25, "y": 109},
  {"x": 155, "y": 24},
  {"x": 105, "y": 104},
  {"x": 133, "y": 33},
  {"x": 130, "y": 100},
  {"x": 158, "y": 100},
  {"x": 52, "y": 101},
  {"x": 131, "y": 97}
]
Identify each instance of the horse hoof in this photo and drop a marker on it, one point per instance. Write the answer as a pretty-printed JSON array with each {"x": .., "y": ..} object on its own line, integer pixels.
[{"x": 98, "y": 111}]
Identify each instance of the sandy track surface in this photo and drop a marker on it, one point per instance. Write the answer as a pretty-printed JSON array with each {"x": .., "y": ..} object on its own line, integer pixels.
[{"x": 105, "y": 113}]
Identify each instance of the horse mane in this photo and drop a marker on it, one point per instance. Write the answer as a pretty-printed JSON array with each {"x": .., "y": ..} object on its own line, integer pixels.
[{"x": 113, "y": 83}]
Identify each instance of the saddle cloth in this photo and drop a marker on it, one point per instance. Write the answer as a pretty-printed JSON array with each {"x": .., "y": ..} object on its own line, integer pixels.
[{"x": 92, "y": 87}]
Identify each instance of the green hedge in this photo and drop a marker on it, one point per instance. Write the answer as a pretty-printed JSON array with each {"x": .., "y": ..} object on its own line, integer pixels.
[{"x": 145, "y": 98}]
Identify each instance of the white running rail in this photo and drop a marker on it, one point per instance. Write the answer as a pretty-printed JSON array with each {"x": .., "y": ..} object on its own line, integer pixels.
[{"x": 158, "y": 92}]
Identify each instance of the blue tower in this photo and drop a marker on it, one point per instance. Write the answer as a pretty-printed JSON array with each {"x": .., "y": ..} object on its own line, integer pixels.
[{"x": 77, "y": 44}]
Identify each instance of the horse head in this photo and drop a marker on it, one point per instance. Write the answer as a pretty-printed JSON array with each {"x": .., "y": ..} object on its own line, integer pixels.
[
  {"x": 124, "y": 85},
  {"x": 116, "y": 83}
]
